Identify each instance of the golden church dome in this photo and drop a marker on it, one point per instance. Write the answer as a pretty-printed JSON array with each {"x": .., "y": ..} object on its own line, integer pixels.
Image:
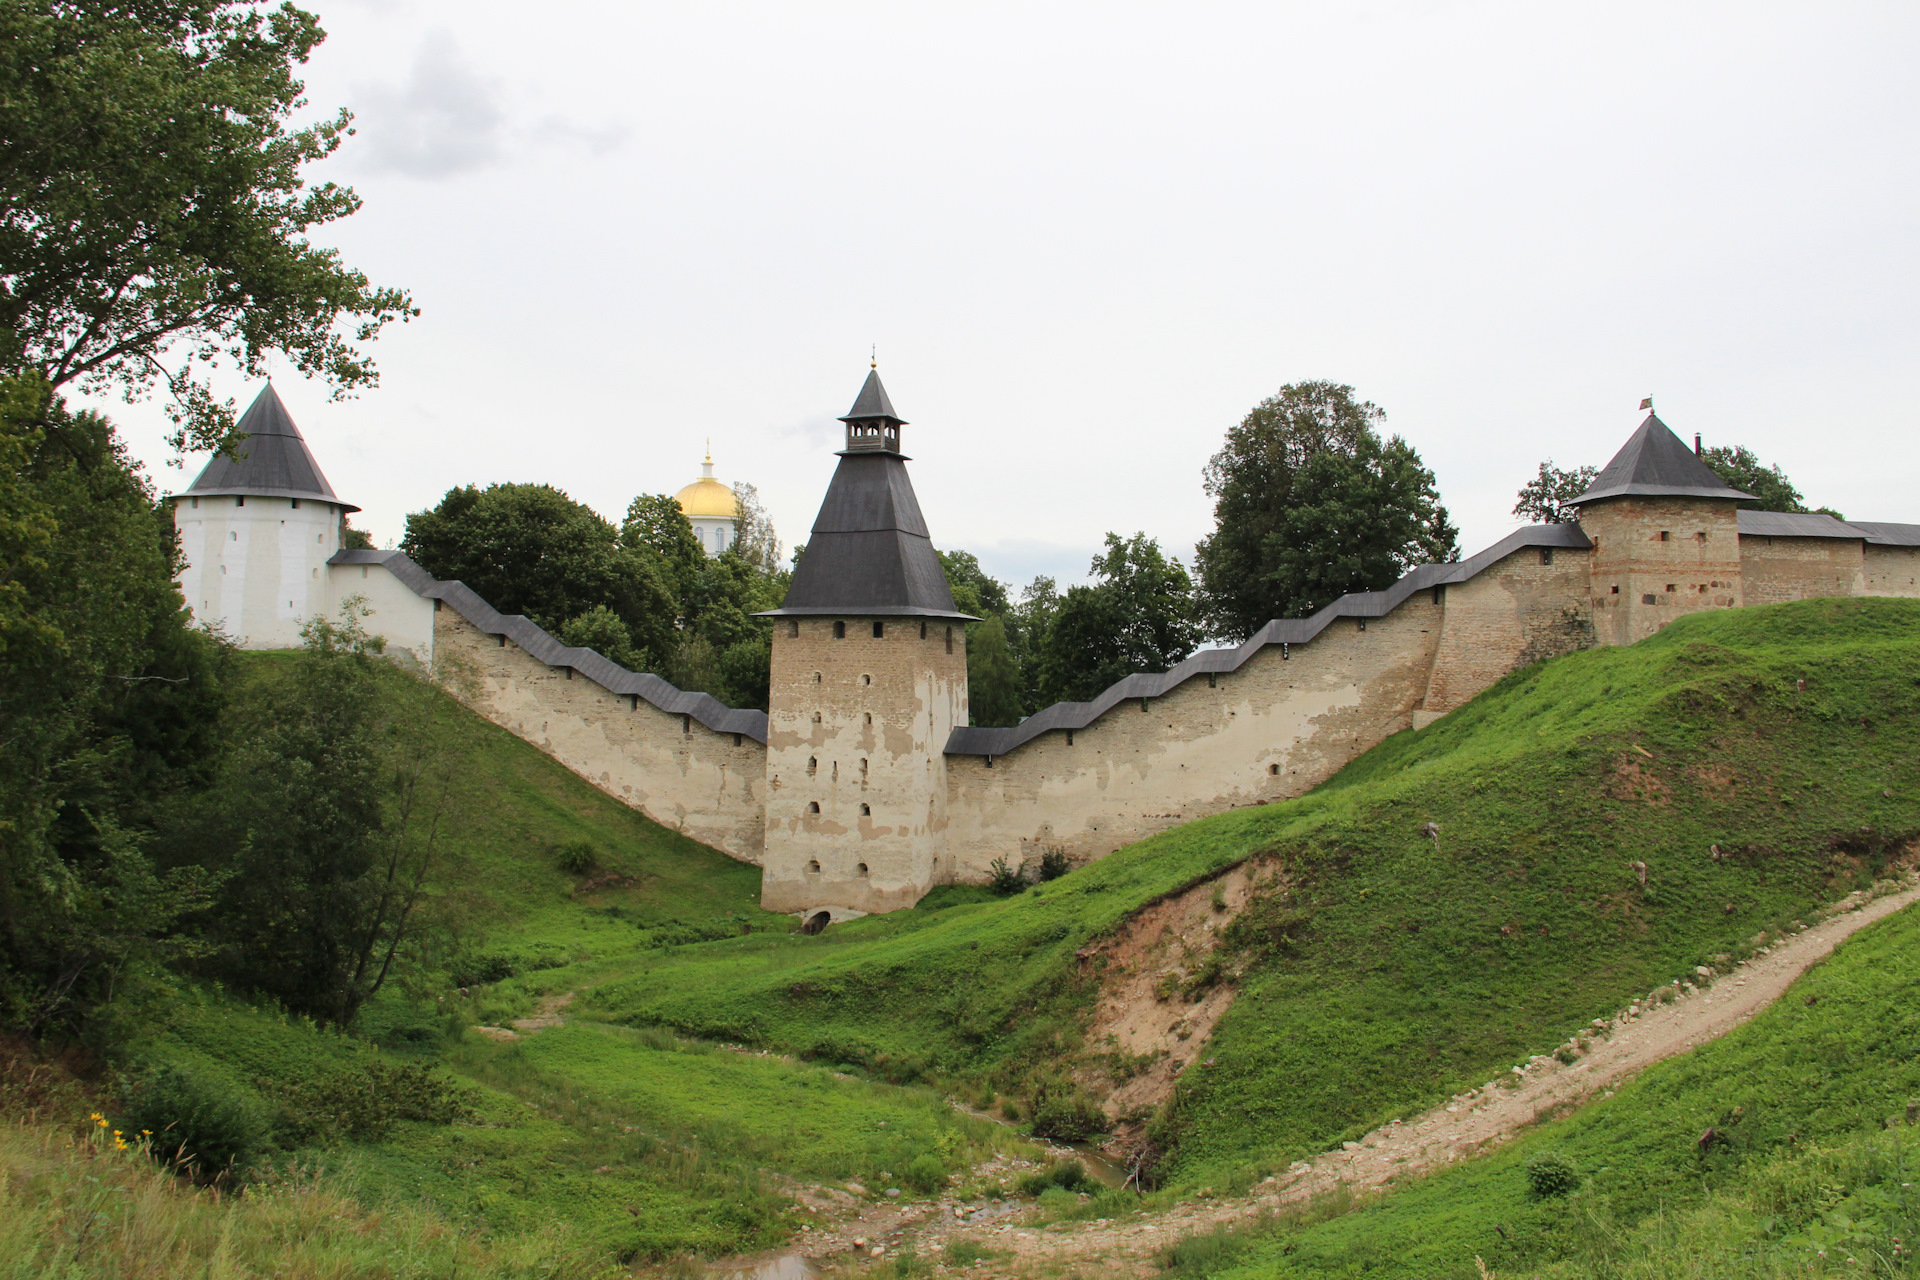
[{"x": 708, "y": 497}]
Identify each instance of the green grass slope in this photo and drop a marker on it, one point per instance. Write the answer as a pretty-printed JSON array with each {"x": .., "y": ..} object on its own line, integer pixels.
[
  {"x": 1808, "y": 1178},
  {"x": 1391, "y": 969}
]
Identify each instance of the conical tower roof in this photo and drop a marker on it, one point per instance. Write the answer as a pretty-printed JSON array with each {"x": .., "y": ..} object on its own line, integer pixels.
[
  {"x": 273, "y": 461},
  {"x": 872, "y": 402},
  {"x": 869, "y": 553},
  {"x": 1656, "y": 463}
]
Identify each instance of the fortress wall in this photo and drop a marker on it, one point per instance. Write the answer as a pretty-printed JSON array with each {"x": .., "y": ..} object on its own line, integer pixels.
[
  {"x": 403, "y": 617},
  {"x": 1778, "y": 569},
  {"x": 1891, "y": 571},
  {"x": 1530, "y": 606},
  {"x": 1280, "y": 725},
  {"x": 711, "y": 786}
]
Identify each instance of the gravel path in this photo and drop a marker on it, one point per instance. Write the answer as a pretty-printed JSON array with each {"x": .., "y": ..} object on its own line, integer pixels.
[{"x": 1463, "y": 1127}]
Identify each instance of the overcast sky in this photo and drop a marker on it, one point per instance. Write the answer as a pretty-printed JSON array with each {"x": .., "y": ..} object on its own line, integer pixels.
[{"x": 1086, "y": 239}]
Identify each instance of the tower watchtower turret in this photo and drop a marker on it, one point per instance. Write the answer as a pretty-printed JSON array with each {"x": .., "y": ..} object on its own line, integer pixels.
[{"x": 869, "y": 678}]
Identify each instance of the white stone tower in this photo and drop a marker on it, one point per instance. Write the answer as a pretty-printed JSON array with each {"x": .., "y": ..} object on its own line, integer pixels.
[{"x": 258, "y": 527}]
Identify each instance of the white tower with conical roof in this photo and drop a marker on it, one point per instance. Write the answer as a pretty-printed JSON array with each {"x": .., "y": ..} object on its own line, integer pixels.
[{"x": 257, "y": 528}]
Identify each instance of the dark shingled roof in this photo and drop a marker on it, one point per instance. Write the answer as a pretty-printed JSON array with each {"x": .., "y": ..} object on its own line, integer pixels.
[
  {"x": 273, "y": 461},
  {"x": 869, "y": 554},
  {"x": 1359, "y": 604},
  {"x": 1655, "y": 463},
  {"x": 1788, "y": 524},
  {"x": 872, "y": 402},
  {"x": 606, "y": 673},
  {"x": 1882, "y": 534}
]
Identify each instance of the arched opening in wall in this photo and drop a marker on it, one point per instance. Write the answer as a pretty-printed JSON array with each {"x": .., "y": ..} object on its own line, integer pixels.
[
  {"x": 813, "y": 765},
  {"x": 816, "y": 680},
  {"x": 863, "y": 868},
  {"x": 839, "y": 631},
  {"x": 869, "y": 717},
  {"x": 817, "y": 921},
  {"x": 1273, "y": 771},
  {"x": 816, "y": 717},
  {"x": 813, "y": 806},
  {"x": 866, "y": 811},
  {"x": 863, "y": 771},
  {"x": 866, "y": 680},
  {"x": 813, "y": 867}
]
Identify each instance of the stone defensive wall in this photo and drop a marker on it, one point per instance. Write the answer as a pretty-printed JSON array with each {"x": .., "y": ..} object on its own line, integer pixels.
[
  {"x": 1266, "y": 721},
  {"x": 686, "y": 760}
]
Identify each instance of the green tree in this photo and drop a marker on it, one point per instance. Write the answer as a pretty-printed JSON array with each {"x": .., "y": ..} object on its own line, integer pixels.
[
  {"x": 1139, "y": 616},
  {"x": 982, "y": 592},
  {"x": 531, "y": 549},
  {"x": 1310, "y": 503},
  {"x": 601, "y": 630},
  {"x": 995, "y": 692},
  {"x": 655, "y": 523},
  {"x": 1547, "y": 498},
  {"x": 1772, "y": 491},
  {"x": 155, "y": 215},
  {"x": 109, "y": 701},
  {"x": 756, "y": 542},
  {"x": 328, "y": 814}
]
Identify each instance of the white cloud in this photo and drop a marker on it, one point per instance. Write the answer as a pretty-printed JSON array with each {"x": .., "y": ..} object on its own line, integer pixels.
[{"x": 446, "y": 118}]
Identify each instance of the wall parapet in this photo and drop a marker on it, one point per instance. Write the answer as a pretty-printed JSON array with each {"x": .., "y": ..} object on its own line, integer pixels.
[
  {"x": 973, "y": 741},
  {"x": 542, "y": 647}
]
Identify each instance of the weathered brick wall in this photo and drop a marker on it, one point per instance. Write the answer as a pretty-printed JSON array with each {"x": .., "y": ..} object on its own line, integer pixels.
[
  {"x": 1779, "y": 569},
  {"x": 1527, "y": 608},
  {"x": 1280, "y": 725},
  {"x": 1891, "y": 571},
  {"x": 1657, "y": 559},
  {"x": 709, "y": 785},
  {"x": 857, "y": 726}
]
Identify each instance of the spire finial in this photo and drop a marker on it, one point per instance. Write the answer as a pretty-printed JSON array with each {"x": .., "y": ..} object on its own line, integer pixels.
[{"x": 873, "y": 356}]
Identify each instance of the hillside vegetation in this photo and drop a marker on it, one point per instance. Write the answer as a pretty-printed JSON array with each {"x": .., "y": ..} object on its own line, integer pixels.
[{"x": 1392, "y": 963}]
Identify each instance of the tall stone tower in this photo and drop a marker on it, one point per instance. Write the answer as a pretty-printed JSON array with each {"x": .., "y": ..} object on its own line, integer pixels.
[
  {"x": 869, "y": 678},
  {"x": 257, "y": 527},
  {"x": 1666, "y": 536}
]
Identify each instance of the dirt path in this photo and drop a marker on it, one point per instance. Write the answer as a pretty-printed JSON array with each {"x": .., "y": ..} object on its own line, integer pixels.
[{"x": 1464, "y": 1126}]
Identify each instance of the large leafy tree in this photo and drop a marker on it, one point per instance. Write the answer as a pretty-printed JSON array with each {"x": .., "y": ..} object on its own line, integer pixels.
[
  {"x": 153, "y": 214},
  {"x": 1548, "y": 497},
  {"x": 1139, "y": 615},
  {"x": 1772, "y": 491},
  {"x": 1310, "y": 503},
  {"x": 531, "y": 549},
  {"x": 108, "y": 705}
]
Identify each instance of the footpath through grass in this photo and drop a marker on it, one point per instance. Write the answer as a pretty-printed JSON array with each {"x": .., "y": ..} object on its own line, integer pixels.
[{"x": 1809, "y": 1170}]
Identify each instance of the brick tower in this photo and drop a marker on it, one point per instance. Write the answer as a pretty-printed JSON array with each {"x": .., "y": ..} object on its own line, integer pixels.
[
  {"x": 1666, "y": 536},
  {"x": 869, "y": 678}
]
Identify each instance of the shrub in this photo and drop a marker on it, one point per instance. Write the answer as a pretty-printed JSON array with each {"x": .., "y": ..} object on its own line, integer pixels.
[
  {"x": 578, "y": 858},
  {"x": 1054, "y": 864},
  {"x": 365, "y": 1104},
  {"x": 1067, "y": 1114},
  {"x": 204, "y": 1119},
  {"x": 925, "y": 1174},
  {"x": 1006, "y": 880},
  {"x": 1065, "y": 1175},
  {"x": 1551, "y": 1175}
]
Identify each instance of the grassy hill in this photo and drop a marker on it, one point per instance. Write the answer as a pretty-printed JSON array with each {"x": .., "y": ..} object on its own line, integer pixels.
[
  {"x": 1393, "y": 968},
  {"x": 1384, "y": 968}
]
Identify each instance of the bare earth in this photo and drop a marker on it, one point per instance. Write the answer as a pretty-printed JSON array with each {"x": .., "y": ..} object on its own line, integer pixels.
[{"x": 1461, "y": 1128}]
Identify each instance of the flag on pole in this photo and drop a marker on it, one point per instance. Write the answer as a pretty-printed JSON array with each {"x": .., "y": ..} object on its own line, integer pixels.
[{"x": 1647, "y": 403}]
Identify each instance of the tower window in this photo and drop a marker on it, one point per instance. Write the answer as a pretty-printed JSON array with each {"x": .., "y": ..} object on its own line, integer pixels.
[
  {"x": 686, "y": 722},
  {"x": 839, "y": 631},
  {"x": 196, "y": 504},
  {"x": 1069, "y": 737},
  {"x": 816, "y": 680},
  {"x": 1665, "y": 535},
  {"x": 816, "y": 717},
  {"x": 793, "y": 628},
  {"x": 240, "y": 501},
  {"x": 863, "y": 866},
  {"x": 1616, "y": 589},
  {"x": 813, "y": 865},
  {"x": 813, "y": 806},
  {"x": 866, "y": 811},
  {"x": 1273, "y": 771},
  {"x": 865, "y": 680},
  {"x": 869, "y": 717},
  {"x": 879, "y": 630},
  {"x": 1669, "y": 586},
  {"x": 1546, "y": 555},
  {"x": 813, "y": 765},
  {"x": 295, "y": 503}
]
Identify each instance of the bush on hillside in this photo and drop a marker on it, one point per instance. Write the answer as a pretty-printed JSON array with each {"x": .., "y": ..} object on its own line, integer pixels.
[
  {"x": 578, "y": 858},
  {"x": 1054, "y": 864},
  {"x": 926, "y": 1174},
  {"x": 208, "y": 1122},
  {"x": 1551, "y": 1175},
  {"x": 1006, "y": 880},
  {"x": 1067, "y": 1175},
  {"x": 364, "y": 1105},
  {"x": 1067, "y": 1114}
]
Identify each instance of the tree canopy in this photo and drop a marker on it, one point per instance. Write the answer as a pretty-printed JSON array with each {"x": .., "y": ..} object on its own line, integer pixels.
[
  {"x": 1547, "y": 498},
  {"x": 1139, "y": 616},
  {"x": 1771, "y": 490},
  {"x": 153, "y": 214},
  {"x": 1310, "y": 503}
]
